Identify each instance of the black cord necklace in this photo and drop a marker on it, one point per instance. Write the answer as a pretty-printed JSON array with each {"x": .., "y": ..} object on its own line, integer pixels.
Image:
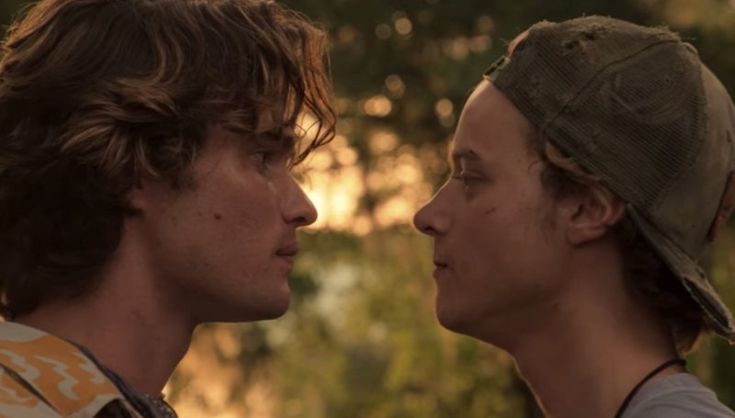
[{"x": 648, "y": 377}]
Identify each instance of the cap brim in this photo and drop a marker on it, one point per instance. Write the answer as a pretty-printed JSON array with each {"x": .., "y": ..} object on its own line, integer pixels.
[{"x": 692, "y": 276}]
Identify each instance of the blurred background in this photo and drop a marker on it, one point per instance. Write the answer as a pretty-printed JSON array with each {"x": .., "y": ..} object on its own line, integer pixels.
[{"x": 361, "y": 339}]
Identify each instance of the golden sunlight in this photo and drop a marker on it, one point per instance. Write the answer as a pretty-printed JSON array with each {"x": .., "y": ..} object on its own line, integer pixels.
[
  {"x": 378, "y": 106},
  {"x": 336, "y": 182}
]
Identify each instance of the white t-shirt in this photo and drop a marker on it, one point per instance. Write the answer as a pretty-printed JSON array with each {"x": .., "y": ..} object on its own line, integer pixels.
[{"x": 680, "y": 395}]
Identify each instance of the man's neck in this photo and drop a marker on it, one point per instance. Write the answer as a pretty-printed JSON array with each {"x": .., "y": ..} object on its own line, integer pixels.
[
  {"x": 126, "y": 322},
  {"x": 583, "y": 349},
  {"x": 142, "y": 349},
  {"x": 585, "y": 365}
]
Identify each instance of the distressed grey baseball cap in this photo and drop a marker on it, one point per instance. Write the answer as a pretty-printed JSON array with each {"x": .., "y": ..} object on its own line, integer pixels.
[{"x": 636, "y": 107}]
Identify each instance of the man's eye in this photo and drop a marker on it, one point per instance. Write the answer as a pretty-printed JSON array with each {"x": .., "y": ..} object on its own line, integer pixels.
[
  {"x": 270, "y": 159},
  {"x": 466, "y": 180}
]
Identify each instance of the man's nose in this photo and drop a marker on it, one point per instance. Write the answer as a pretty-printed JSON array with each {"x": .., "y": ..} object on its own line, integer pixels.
[
  {"x": 429, "y": 221},
  {"x": 297, "y": 207}
]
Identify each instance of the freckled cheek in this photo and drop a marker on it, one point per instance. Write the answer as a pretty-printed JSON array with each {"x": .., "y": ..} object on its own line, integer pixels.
[
  {"x": 243, "y": 207},
  {"x": 246, "y": 226}
]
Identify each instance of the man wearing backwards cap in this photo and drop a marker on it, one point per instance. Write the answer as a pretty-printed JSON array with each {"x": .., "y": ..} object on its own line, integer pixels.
[{"x": 590, "y": 169}]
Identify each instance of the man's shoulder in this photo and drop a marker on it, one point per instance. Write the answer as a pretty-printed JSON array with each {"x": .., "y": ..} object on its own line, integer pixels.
[
  {"x": 677, "y": 396},
  {"x": 43, "y": 376},
  {"x": 16, "y": 400}
]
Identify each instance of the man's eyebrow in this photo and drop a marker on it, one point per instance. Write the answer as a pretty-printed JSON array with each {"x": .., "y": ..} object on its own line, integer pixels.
[
  {"x": 461, "y": 154},
  {"x": 464, "y": 154}
]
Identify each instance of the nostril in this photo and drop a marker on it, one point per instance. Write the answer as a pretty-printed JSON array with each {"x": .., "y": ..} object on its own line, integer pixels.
[
  {"x": 418, "y": 222},
  {"x": 421, "y": 223},
  {"x": 300, "y": 214},
  {"x": 432, "y": 219}
]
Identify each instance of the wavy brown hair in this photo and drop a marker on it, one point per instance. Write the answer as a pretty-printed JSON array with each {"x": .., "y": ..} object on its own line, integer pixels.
[{"x": 97, "y": 95}]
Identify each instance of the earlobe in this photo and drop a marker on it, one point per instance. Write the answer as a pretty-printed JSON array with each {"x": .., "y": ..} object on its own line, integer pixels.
[
  {"x": 135, "y": 196},
  {"x": 140, "y": 195},
  {"x": 596, "y": 210}
]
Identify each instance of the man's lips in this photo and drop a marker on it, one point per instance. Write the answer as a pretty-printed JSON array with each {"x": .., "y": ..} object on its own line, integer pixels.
[
  {"x": 288, "y": 250},
  {"x": 440, "y": 264},
  {"x": 287, "y": 253},
  {"x": 440, "y": 268}
]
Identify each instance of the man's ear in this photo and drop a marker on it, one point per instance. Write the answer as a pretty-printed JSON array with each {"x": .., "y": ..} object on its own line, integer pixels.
[
  {"x": 145, "y": 194},
  {"x": 137, "y": 196},
  {"x": 591, "y": 213}
]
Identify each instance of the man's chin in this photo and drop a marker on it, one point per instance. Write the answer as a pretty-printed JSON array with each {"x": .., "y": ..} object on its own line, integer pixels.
[
  {"x": 273, "y": 310},
  {"x": 276, "y": 311},
  {"x": 271, "y": 305},
  {"x": 451, "y": 318},
  {"x": 457, "y": 318},
  {"x": 264, "y": 310}
]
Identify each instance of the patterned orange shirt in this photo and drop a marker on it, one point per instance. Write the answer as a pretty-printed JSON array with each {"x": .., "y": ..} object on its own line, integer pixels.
[{"x": 42, "y": 376}]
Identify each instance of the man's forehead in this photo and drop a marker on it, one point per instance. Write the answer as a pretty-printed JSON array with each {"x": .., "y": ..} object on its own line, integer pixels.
[
  {"x": 277, "y": 138},
  {"x": 475, "y": 125},
  {"x": 479, "y": 89}
]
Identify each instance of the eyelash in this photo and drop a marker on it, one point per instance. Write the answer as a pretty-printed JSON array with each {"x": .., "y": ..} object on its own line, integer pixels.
[{"x": 465, "y": 179}]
